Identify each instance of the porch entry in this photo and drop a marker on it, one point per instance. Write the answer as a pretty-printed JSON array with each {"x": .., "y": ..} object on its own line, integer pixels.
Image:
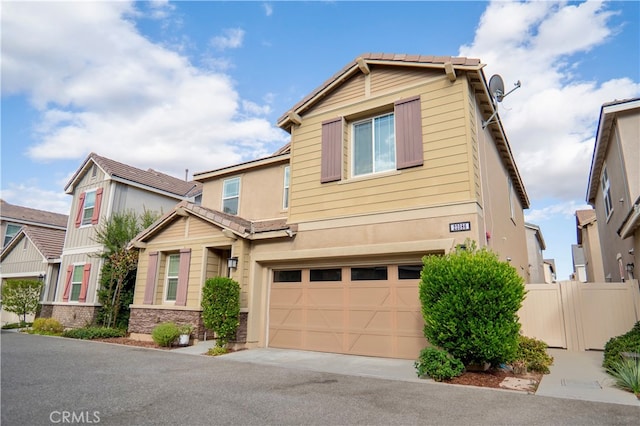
[
  {"x": 357, "y": 310},
  {"x": 579, "y": 316}
]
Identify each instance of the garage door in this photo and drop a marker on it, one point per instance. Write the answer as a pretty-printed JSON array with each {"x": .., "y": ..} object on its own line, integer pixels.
[{"x": 371, "y": 310}]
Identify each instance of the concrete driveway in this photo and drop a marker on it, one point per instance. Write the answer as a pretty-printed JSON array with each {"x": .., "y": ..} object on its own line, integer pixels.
[{"x": 45, "y": 379}]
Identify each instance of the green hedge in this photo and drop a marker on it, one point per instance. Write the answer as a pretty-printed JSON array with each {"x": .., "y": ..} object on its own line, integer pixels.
[
  {"x": 628, "y": 342},
  {"x": 438, "y": 364},
  {"x": 47, "y": 326},
  {"x": 165, "y": 334},
  {"x": 534, "y": 354},
  {"x": 221, "y": 308},
  {"x": 88, "y": 333}
]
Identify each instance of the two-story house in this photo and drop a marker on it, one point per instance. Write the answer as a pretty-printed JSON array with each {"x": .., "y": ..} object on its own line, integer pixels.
[
  {"x": 33, "y": 247},
  {"x": 614, "y": 187},
  {"x": 588, "y": 244},
  {"x": 100, "y": 188},
  {"x": 393, "y": 158},
  {"x": 535, "y": 247}
]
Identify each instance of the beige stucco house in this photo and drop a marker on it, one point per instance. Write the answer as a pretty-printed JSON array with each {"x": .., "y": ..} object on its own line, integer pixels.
[
  {"x": 614, "y": 187},
  {"x": 101, "y": 187},
  {"x": 589, "y": 242},
  {"x": 390, "y": 159}
]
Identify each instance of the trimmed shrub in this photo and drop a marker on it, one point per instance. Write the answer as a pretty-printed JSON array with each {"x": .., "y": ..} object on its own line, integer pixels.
[
  {"x": 217, "y": 350},
  {"x": 626, "y": 373},
  {"x": 165, "y": 334},
  {"x": 628, "y": 342},
  {"x": 470, "y": 301},
  {"x": 221, "y": 308},
  {"x": 533, "y": 354},
  {"x": 88, "y": 333},
  {"x": 438, "y": 364},
  {"x": 47, "y": 326}
]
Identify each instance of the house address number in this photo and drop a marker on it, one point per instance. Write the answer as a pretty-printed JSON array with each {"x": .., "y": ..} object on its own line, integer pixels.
[{"x": 460, "y": 226}]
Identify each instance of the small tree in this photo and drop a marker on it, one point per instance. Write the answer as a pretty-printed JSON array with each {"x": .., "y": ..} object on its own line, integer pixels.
[
  {"x": 221, "y": 308},
  {"x": 470, "y": 300},
  {"x": 21, "y": 297}
]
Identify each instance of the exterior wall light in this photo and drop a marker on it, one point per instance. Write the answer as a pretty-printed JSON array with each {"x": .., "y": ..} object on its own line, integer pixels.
[{"x": 232, "y": 262}]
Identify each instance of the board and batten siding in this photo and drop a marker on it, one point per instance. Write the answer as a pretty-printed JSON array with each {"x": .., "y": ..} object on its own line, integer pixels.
[
  {"x": 23, "y": 259},
  {"x": 183, "y": 233},
  {"x": 445, "y": 176},
  {"x": 84, "y": 236}
]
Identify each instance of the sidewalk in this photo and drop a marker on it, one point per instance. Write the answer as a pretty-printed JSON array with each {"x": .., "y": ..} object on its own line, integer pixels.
[
  {"x": 579, "y": 375},
  {"x": 574, "y": 375}
]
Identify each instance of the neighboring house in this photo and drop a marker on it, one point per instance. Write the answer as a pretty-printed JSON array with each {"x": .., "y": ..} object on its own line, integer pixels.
[
  {"x": 31, "y": 248},
  {"x": 579, "y": 263},
  {"x": 549, "y": 271},
  {"x": 390, "y": 160},
  {"x": 535, "y": 247},
  {"x": 589, "y": 242},
  {"x": 13, "y": 217},
  {"x": 100, "y": 188},
  {"x": 33, "y": 254},
  {"x": 614, "y": 187}
]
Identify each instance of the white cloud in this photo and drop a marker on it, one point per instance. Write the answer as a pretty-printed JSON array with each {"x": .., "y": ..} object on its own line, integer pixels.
[
  {"x": 100, "y": 86},
  {"x": 550, "y": 121},
  {"x": 564, "y": 209},
  {"x": 232, "y": 39},
  {"x": 268, "y": 8},
  {"x": 32, "y": 196}
]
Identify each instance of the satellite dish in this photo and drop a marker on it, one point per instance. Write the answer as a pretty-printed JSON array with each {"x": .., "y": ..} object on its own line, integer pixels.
[{"x": 496, "y": 87}]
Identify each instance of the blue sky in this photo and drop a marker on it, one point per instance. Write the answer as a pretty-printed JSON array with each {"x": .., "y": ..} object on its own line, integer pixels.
[{"x": 200, "y": 85}]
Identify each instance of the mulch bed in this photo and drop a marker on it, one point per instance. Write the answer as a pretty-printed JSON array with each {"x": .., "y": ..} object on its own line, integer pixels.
[{"x": 131, "y": 342}]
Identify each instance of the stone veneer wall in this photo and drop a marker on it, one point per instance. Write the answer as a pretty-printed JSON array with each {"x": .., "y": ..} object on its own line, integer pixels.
[
  {"x": 74, "y": 316},
  {"x": 46, "y": 311},
  {"x": 144, "y": 320}
]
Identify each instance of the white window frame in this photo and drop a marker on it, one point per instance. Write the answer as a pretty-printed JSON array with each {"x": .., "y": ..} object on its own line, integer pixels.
[
  {"x": 168, "y": 277},
  {"x": 86, "y": 220},
  {"x": 373, "y": 151},
  {"x": 512, "y": 210},
  {"x": 606, "y": 193},
  {"x": 285, "y": 191},
  {"x": 8, "y": 236},
  {"x": 74, "y": 283},
  {"x": 226, "y": 197}
]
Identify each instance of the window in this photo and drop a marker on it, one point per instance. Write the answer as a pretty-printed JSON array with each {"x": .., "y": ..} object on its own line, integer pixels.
[
  {"x": 285, "y": 194},
  {"x": 374, "y": 145},
  {"x": 87, "y": 209},
  {"x": 291, "y": 276},
  {"x": 231, "y": 195},
  {"x": 76, "y": 283},
  {"x": 376, "y": 273},
  {"x": 511, "y": 208},
  {"x": 409, "y": 272},
  {"x": 606, "y": 192},
  {"x": 173, "y": 270},
  {"x": 334, "y": 274},
  {"x": 11, "y": 232}
]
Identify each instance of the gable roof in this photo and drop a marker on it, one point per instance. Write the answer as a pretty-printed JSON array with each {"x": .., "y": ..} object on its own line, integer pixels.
[
  {"x": 608, "y": 114},
  {"x": 49, "y": 242},
  {"x": 538, "y": 234},
  {"x": 241, "y": 227},
  {"x": 280, "y": 156},
  {"x": 29, "y": 216},
  {"x": 448, "y": 64},
  {"x": 151, "y": 179}
]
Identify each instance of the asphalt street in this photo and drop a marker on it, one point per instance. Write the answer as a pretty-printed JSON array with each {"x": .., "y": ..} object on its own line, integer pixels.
[{"x": 49, "y": 380}]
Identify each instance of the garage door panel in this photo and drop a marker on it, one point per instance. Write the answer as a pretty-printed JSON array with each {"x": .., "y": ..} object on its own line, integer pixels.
[{"x": 374, "y": 318}]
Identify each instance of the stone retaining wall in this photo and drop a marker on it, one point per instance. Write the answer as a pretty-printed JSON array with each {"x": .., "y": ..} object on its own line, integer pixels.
[{"x": 73, "y": 316}]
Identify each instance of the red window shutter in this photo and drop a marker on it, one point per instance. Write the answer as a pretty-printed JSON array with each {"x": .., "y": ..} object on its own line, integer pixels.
[
  {"x": 96, "y": 207},
  {"x": 152, "y": 271},
  {"x": 409, "y": 150},
  {"x": 331, "y": 164},
  {"x": 86, "y": 273},
  {"x": 183, "y": 277},
  {"x": 80, "y": 210},
  {"x": 67, "y": 284}
]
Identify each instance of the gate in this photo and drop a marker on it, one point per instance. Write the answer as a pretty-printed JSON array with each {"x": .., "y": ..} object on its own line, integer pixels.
[{"x": 579, "y": 316}]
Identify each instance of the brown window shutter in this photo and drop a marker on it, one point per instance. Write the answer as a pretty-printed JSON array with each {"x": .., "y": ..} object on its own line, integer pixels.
[
  {"x": 409, "y": 150},
  {"x": 67, "y": 284},
  {"x": 85, "y": 283},
  {"x": 183, "y": 277},
  {"x": 80, "y": 208},
  {"x": 150, "y": 287},
  {"x": 331, "y": 166},
  {"x": 96, "y": 207}
]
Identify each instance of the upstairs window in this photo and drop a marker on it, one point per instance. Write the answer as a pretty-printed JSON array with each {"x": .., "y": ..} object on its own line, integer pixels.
[
  {"x": 606, "y": 193},
  {"x": 231, "y": 195},
  {"x": 374, "y": 145},
  {"x": 285, "y": 193},
  {"x": 88, "y": 211},
  {"x": 89, "y": 205},
  {"x": 10, "y": 232}
]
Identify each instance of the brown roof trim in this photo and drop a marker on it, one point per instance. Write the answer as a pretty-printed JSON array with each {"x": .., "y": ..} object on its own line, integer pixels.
[
  {"x": 151, "y": 179},
  {"x": 241, "y": 227}
]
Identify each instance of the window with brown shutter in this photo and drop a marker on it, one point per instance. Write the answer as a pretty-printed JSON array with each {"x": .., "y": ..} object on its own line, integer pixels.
[
  {"x": 332, "y": 139},
  {"x": 183, "y": 277},
  {"x": 409, "y": 151},
  {"x": 152, "y": 273}
]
